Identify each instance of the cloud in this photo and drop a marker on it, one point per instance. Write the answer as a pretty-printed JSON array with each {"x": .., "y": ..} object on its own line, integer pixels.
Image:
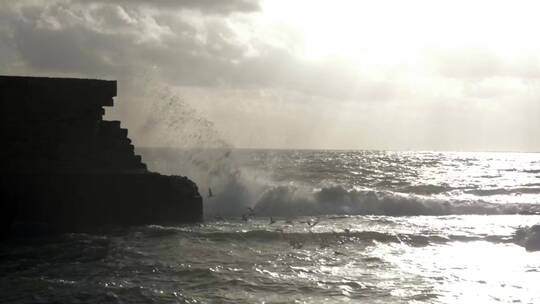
[
  {"x": 478, "y": 64},
  {"x": 261, "y": 91},
  {"x": 113, "y": 40},
  {"x": 204, "y": 6}
]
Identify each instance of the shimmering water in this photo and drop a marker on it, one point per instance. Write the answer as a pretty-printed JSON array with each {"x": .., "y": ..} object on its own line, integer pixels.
[{"x": 328, "y": 227}]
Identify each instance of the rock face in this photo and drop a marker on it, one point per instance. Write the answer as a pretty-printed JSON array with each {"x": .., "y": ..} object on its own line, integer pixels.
[{"x": 66, "y": 168}]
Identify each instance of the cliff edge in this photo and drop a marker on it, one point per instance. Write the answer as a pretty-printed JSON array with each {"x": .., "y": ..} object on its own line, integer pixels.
[{"x": 67, "y": 169}]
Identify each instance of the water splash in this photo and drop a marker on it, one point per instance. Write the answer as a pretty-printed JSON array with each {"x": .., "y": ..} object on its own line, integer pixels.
[
  {"x": 193, "y": 146},
  {"x": 296, "y": 183}
]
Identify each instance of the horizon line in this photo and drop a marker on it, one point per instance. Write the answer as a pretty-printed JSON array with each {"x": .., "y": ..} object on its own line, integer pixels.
[{"x": 337, "y": 149}]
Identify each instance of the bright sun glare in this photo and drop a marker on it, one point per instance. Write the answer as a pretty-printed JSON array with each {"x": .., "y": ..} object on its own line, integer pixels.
[{"x": 399, "y": 32}]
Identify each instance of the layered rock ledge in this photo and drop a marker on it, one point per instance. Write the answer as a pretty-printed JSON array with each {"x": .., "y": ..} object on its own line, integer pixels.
[{"x": 67, "y": 169}]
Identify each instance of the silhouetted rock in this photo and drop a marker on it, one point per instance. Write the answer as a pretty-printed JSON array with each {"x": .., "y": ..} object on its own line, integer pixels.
[
  {"x": 67, "y": 168},
  {"x": 528, "y": 237}
]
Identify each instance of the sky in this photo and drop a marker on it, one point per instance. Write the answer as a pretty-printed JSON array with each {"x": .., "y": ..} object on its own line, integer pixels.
[{"x": 303, "y": 74}]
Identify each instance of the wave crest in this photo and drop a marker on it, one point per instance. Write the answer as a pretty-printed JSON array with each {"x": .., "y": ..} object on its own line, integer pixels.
[{"x": 286, "y": 201}]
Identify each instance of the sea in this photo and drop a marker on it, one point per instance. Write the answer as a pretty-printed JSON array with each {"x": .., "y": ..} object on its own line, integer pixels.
[{"x": 307, "y": 226}]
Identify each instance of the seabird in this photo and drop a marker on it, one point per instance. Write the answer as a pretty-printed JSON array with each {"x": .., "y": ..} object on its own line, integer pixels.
[{"x": 311, "y": 223}]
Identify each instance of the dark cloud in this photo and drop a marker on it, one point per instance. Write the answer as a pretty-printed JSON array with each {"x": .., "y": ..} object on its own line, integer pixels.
[
  {"x": 113, "y": 41},
  {"x": 204, "y": 6},
  {"x": 76, "y": 50},
  {"x": 8, "y": 52}
]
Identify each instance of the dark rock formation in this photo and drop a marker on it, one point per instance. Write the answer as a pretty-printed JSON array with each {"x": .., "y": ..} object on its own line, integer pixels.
[
  {"x": 67, "y": 168},
  {"x": 528, "y": 237}
]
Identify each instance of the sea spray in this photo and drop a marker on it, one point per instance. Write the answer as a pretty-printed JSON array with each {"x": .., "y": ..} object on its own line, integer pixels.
[
  {"x": 310, "y": 182},
  {"x": 193, "y": 146},
  {"x": 237, "y": 186}
]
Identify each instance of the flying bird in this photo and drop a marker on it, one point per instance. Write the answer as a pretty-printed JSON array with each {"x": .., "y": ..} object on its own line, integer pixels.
[{"x": 311, "y": 222}]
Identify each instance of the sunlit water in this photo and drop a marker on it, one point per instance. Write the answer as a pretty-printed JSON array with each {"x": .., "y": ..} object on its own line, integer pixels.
[{"x": 318, "y": 244}]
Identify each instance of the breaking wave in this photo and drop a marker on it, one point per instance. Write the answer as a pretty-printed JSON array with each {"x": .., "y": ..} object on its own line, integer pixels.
[
  {"x": 298, "y": 201},
  {"x": 310, "y": 183},
  {"x": 235, "y": 188}
]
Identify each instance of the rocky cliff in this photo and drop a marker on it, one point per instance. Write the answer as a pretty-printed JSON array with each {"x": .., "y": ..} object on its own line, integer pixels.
[{"x": 67, "y": 169}]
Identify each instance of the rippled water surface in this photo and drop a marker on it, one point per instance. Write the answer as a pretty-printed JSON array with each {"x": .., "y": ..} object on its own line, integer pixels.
[
  {"x": 324, "y": 227},
  {"x": 376, "y": 259}
]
